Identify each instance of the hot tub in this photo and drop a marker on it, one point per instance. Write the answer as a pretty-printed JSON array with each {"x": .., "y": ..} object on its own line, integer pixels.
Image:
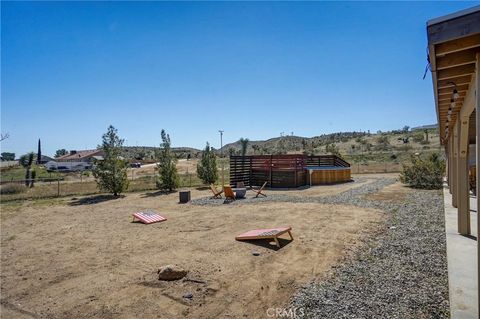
[{"x": 318, "y": 175}]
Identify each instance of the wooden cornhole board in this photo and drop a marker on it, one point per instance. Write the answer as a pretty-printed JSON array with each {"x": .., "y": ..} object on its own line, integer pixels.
[
  {"x": 267, "y": 233},
  {"x": 148, "y": 217}
]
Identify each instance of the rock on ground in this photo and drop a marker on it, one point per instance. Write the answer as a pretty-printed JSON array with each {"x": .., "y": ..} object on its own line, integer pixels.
[{"x": 171, "y": 272}]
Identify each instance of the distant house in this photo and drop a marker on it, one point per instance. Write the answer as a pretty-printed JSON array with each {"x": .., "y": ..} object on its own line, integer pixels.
[
  {"x": 45, "y": 159},
  {"x": 53, "y": 166},
  {"x": 424, "y": 127},
  {"x": 81, "y": 156}
]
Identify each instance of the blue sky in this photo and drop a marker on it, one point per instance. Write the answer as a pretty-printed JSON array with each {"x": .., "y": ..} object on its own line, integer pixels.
[{"x": 68, "y": 70}]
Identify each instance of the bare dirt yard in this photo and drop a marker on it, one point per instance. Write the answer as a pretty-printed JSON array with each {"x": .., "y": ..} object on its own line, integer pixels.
[{"x": 84, "y": 258}]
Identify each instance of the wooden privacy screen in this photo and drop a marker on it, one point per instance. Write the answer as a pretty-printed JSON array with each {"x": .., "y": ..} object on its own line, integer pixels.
[{"x": 278, "y": 170}]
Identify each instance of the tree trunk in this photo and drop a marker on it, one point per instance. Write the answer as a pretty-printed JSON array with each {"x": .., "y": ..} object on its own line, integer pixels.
[{"x": 27, "y": 177}]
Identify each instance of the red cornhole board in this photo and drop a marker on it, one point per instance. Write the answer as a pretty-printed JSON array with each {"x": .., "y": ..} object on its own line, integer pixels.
[
  {"x": 267, "y": 233},
  {"x": 148, "y": 217}
]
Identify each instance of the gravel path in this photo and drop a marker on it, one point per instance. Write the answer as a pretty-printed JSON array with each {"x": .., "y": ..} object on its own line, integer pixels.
[{"x": 400, "y": 272}]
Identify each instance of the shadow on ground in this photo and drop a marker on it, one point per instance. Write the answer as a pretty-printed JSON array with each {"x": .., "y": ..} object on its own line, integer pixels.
[
  {"x": 269, "y": 243},
  {"x": 157, "y": 193},
  {"x": 94, "y": 199}
]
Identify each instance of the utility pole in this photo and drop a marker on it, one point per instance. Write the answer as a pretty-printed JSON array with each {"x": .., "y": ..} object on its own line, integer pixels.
[{"x": 221, "y": 156}]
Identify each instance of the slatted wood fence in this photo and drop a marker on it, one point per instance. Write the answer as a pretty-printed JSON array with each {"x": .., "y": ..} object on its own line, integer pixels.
[{"x": 278, "y": 170}]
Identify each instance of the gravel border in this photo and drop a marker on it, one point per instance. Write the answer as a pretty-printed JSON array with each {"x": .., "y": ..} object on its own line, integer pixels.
[
  {"x": 371, "y": 187},
  {"x": 401, "y": 272}
]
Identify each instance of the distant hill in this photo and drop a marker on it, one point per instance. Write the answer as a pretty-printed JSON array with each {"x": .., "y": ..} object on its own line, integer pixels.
[
  {"x": 354, "y": 146},
  {"x": 148, "y": 152},
  {"x": 349, "y": 144}
]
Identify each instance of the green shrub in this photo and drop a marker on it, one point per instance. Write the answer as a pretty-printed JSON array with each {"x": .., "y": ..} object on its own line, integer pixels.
[
  {"x": 425, "y": 173},
  {"x": 111, "y": 172},
  {"x": 12, "y": 189},
  {"x": 207, "y": 167},
  {"x": 168, "y": 179}
]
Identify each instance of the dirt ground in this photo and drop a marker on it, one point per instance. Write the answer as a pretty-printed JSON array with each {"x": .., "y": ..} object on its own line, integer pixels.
[
  {"x": 84, "y": 258},
  {"x": 183, "y": 166}
]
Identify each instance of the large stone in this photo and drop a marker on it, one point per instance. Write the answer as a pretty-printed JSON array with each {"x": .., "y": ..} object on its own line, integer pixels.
[{"x": 171, "y": 272}]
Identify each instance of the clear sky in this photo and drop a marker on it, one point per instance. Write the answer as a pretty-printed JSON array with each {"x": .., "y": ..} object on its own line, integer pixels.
[{"x": 68, "y": 70}]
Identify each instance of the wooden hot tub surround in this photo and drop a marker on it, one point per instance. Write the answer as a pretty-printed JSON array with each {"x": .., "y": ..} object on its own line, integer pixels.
[{"x": 288, "y": 171}]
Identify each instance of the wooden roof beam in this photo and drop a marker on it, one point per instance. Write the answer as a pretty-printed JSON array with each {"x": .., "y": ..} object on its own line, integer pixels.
[
  {"x": 462, "y": 79},
  {"x": 446, "y": 103},
  {"x": 465, "y": 43},
  {"x": 456, "y": 71},
  {"x": 448, "y": 96},
  {"x": 449, "y": 90},
  {"x": 456, "y": 59}
]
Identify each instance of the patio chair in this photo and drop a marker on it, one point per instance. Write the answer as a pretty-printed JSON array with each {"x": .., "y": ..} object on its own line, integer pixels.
[
  {"x": 260, "y": 190},
  {"x": 229, "y": 194},
  {"x": 216, "y": 193}
]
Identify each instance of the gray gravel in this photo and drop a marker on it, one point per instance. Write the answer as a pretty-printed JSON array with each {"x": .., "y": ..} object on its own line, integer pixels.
[
  {"x": 371, "y": 187},
  {"x": 400, "y": 272}
]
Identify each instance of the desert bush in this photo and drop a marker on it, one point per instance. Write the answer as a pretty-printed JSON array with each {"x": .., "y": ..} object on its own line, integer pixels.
[
  {"x": 12, "y": 189},
  {"x": 425, "y": 173},
  {"x": 383, "y": 143},
  {"x": 332, "y": 149},
  {"x": 418, "y": 137},
  {"x": 404, "y": 147}
]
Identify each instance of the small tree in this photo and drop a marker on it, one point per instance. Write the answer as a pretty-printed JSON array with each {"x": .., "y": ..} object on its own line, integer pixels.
[
  {"x": 33, "y": 175},
  {"x": 39, "y": 152},
  {"x": 167, "y": 166},
  {"x": 60, "y": 152},
  {"x": 111, "y": 172},
  {"x": 26, "y": 161},
  {"x": 244, "y": 145},
  {"x": 207, "y": 167},
  {"x": 7, "y": 156},
  {"x": 426, "y": 173}
]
